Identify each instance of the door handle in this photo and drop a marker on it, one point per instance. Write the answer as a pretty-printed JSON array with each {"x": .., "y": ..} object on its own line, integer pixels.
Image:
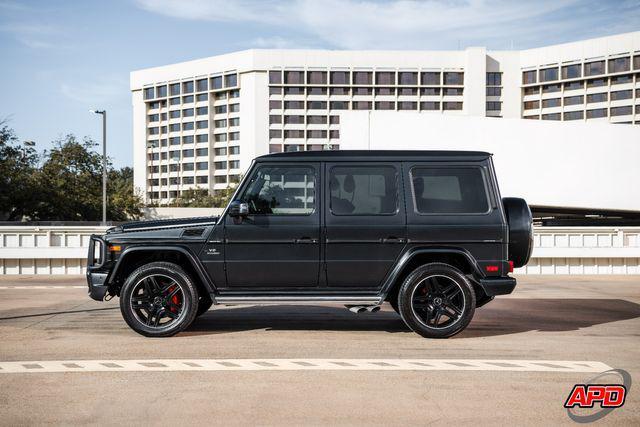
[
  {"x": 306, "y": 240},
  {"x": 393, "y": 239}
]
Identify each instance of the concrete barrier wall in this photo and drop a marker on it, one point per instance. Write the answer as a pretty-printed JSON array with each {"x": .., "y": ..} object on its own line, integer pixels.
[{"x": 48, "y": 250}]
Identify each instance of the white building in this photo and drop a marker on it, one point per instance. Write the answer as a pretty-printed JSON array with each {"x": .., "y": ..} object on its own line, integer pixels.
[{"x": 198, "y": 124}]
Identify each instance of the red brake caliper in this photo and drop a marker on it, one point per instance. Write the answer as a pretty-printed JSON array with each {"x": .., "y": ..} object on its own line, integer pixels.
[{"x": 175, "y": 300}]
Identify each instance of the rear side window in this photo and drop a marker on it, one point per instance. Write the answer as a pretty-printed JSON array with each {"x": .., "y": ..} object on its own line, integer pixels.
[
  {"x": 455, "y": 190},
  {"x": 363, "y": 190}
]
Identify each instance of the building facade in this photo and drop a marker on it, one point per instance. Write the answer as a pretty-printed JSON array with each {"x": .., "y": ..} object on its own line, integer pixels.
[{"x": 198, "y": 124}]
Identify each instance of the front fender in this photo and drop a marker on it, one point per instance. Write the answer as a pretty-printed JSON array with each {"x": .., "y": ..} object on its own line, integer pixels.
[{"x": 195, "y": 263}]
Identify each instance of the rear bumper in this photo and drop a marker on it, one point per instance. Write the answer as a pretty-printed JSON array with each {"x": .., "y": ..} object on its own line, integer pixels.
[{"x": 498, "y": 285}]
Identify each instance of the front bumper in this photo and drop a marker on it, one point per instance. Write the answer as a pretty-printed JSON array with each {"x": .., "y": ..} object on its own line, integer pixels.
[
  {"x": 498, "y": 285},
  {"x": 96, "y": 276}
]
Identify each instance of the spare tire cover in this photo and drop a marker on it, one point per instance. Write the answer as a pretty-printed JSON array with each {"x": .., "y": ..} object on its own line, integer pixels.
[{"x": 520, "y": 224}]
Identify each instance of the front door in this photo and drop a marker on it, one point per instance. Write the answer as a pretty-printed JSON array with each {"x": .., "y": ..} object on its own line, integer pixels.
[
  {"x": 277, "y": 245},
  {"x": 365, "y": 223}
]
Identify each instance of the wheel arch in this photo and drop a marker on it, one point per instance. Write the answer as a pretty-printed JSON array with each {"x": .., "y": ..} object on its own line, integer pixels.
[
  {"x": 410, "y": 260},
  {"x": 135, "y": 256}
]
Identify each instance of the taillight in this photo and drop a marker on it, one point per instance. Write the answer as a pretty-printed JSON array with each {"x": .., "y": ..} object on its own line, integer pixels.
[
  {"x": 510, "y": 266},
  {"x": 492, "y": 268}
]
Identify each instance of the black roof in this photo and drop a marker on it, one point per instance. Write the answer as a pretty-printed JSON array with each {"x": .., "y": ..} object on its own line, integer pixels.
[{"x": 373, "y": 155}]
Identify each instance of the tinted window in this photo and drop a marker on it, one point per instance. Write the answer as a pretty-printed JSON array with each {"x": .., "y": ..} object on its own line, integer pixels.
[
  {"x": 281, "y": 190},
  {"x": 449, "y": 190},
  {"x": 363, "y": 190}
]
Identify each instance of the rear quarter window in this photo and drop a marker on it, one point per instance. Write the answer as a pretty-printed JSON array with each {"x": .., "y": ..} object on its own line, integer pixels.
[{"x": 449, "y": 190}]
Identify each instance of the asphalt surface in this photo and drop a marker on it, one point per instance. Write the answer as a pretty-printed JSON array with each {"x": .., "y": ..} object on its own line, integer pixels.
[{"x": 547, "y": 319}]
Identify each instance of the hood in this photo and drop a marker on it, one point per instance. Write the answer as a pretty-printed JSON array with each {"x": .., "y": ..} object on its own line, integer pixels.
[{"x": 163, "y": 223}]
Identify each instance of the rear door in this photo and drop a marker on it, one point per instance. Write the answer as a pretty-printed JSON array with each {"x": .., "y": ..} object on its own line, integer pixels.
[{"x": 365, "y": 222}]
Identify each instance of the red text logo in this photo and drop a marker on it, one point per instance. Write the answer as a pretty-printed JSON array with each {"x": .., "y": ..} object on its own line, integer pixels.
[{"x": 606, "y": 395}]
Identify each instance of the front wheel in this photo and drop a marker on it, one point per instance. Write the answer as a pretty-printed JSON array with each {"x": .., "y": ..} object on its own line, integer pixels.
[
  {"x": 159, "y": 300},
  {"x": 437, "y": 301}
]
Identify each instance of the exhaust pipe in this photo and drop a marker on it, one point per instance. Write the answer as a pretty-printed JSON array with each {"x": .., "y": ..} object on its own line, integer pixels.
[{"x": 362, "y": 308}]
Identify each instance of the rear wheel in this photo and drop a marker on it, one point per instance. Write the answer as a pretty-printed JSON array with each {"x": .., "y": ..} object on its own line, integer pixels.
[
  {"x": 159, "y": 300},
  {"x": 437, "y": 301}
]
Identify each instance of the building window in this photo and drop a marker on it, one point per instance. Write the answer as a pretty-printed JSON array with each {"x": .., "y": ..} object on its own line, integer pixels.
[
  {"x": 619, "y": 65},
  {"x": 174, "y": 127},
  {"x": 596, "y": 82},
  {"x": 187, "y": 153},
  {"x": 535, "y": 90},
  {"x": 549, "y": 74},
  {"x": 187, "y": 112},
  {"x": 334, "y": 120},
  {"x": 234, "y": 150},
  {"x": 316, "y": 105},
  {"x": 407, "y": 105},
  {"x": 494, "y": 106},
  {"x": 220, "y": 179},
  {"x": 553, "y": 116},
  {"x": 362, "y": 91},
  {"x": 385, "y": 78},
  {"x": 201, "y": 111},
  {"x": 187, "y": 99},
  {"x": 550, "y": 88},
  {"x": 204, "y": 137},
  {"x": 153, "y": 105},
  {"x": 362, "y": 77},
  {"x": 621, "y": 79},
  {"x": 275, "y": 90},
  {"x": 153, "y": 117},
  {"x": 234, "y": 164},
  {"x": 216, "y": 82},
  {"x": 429, "y": 106},
  {"x": 621, "y": 94},
  {"x": 275, "y": 105},
  {"x": 187, "y": 87},
  {"x": 174, "y": 101},
  {"x": 174, "y": 89},
  {"x": 339, "y": 91},
  {"x": 621, "y": 111},
  {"x": 187, "y": 139},
  {"x": 222, "y": 123},
  {"x": 294, "y": 77},
  {"x": 220, "y": 137},
  {"x": 594, "y": 68},
  {"x": 149, "y": 93},
  {"x": 430, "y": 78},
  {"x": 407, "y": 91},
  {"x": 202, "y": 179},
  {"x": 234, "y": 94},
  {"x": 202, "y": 166},
  {"x": 297, "y": 119},
  {"x": 494, "y": 79},
  {"x": 572, "y": 71},
  {"x": 316, "y": 133},
  {"x": 363, "y": 190},
  {"x": 234, "y": 121},
  {"x": 334, "y": 134},
  {"x": 574, "y": 100},
  {"x": 220, "y": 165},
  {"x": 597, "y": 97},
  {"x": 534, "y": 117},
  {"x": 294, "y": 105},
  {"x": 294, "y": 133},
  {"x": 317, "y": 91},
  {"x": 573, "y": 115},
  {"x": 294, "y": 91},
  {"x": 201, "y": 85},
  {"x": 220, "y": 151},
  {"x": 529, "y": 77},
  {"x": 234, "y": 136},
  {"x": 339, "y": 105},
  {"x": 273, "y": 119},
  {"x": 275, "y": 77},
  {"x": 452, "y": 105},
  {"x": 187, "y": 126},
  {"x": 202, "y": 151},
  {"x": 317, "y": 77},
  {"x": 407, "y": 78},
  {"x": 430, "y": 91},
  {"x": 161, "y": 91},
  {"x": 362, "y": 105},
  {"x": 339, "y": 77},
  {"x": 550, "y": 103},
  {"x": 494, "y": 91},
  {"x": 597, "y": 113},
  {"x": 174, "y": 140},
  {"x": 636, "y": 62},
  {"x": 202, "y": 97},
  {"x": 202, "y": 124},
  {"x": 385, "y": 105},
  {"x": 574, "y": 85},
  {"x": 316, "y": 120},
  {"x": 231, "y": 80},
  {"x": 451, "y": 78},
  {"x": 453, "y": 91},
  {"x": 220, "y": 109},
  {"x": 385, "y": 91}
]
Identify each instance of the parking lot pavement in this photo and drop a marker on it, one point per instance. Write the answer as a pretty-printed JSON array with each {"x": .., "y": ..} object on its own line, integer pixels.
[{"x": 246, "y": 359}]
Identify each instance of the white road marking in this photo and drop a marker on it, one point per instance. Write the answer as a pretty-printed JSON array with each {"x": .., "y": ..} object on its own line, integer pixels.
[
  {"x": 43, "y": 287},
  {"x": 149, "y": 365}
]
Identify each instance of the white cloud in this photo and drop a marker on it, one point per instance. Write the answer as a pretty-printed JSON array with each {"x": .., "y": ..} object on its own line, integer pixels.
[
  {"x": 97, "y": 92},
  {"x": 34, "y": 36},
  {"x": 408, "y": 24}
]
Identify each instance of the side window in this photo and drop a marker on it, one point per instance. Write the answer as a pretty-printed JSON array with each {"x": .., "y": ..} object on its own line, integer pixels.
[
  {"x": 456, "y": 190},
  {"x": 281, "y": 190},
  {"x": 363, "y": 190}
]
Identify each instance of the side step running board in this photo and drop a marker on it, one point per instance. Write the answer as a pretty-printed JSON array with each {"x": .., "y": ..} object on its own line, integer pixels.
[{"x": 348, "y": 300}]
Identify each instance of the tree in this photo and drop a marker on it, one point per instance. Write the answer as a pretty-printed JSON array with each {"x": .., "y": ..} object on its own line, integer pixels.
[
  {"x": 200, "y": 198},
  {"x": 19, "y": 192},
  {"x": 123, "y": 203}
]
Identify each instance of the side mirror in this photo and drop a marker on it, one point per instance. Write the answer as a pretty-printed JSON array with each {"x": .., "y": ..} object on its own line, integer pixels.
[{"x": 238, "y": 209}]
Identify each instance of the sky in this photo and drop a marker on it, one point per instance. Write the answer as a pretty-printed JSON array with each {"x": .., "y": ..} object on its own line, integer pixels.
[{"x": 60, "y": 59}]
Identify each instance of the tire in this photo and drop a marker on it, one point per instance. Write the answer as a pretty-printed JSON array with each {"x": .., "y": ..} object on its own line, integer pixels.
[
  {"x": 437, "y": 301},
  {"x": 159, "y": 300},
  {"x": 204, "y": 304},
  {"x": 520, "y": 223}
]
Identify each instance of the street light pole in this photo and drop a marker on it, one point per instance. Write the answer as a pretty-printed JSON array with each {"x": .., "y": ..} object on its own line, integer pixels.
[{"x": 103, "y": 113}]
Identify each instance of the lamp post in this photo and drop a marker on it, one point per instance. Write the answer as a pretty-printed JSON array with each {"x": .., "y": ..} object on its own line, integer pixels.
[{"x": 103, "y": 113}]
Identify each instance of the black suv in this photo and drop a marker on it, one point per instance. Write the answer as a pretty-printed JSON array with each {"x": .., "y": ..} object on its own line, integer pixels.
[{"x": 426, "y": 231}]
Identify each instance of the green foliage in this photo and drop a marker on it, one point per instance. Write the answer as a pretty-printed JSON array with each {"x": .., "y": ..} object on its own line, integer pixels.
[
  {"x": 66, "y": 186},
  {"x": 200, "y": 198}
]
